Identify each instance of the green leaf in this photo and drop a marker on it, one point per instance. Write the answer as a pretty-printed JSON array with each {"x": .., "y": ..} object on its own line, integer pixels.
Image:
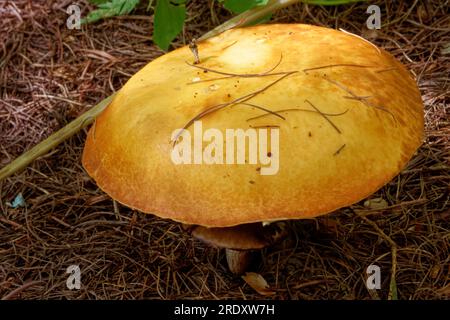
[
  {"x": 239, "y": 6},
  {"x": 168, "y": 21},
  {"x": 110, "y": 8}
]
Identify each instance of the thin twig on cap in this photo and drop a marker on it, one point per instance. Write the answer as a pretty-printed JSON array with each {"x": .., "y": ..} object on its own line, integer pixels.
[
  {"x": 359, "y": 37},
  {"x": 235, "y": 101},
  {"x": 229, "y": 75},
  {"x": 337, "y": 65},
  {"x": 361, "y": 99},
  {"x": 323, "y": 115},
  {"x": 339, "y": 150},
  {"x": 298, "y": 109}
]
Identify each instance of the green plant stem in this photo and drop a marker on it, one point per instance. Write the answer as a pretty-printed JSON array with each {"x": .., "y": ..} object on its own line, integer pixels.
[
  {"x": 249, "y": 17},
  {"x": 89, "y": 116}
]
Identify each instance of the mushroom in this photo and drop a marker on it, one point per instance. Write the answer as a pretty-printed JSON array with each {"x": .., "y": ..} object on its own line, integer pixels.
[
  {"x": 342, "y": 118},
  {"x": 240, "y": 242}
]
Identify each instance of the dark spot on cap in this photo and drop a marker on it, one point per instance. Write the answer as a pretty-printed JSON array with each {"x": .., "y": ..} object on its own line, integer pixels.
[
  {"x": 309, "y": 134},
  {"x": 252, "y": 182}
]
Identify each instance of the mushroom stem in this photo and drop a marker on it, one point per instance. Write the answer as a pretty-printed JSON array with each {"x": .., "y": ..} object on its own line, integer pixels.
[{"x": 239, "y": 260}]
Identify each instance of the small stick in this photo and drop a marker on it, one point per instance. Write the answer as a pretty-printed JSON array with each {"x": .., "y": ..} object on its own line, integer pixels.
[
  {"x": 194, "y": 48},
  {"x": 264, "y": 109},
  {"x": 323, "y": 115},
  {"x": 242, "y": 75},
  {"x": 362, "y": 99},
  {"x": 336, "y": 65},
  {"x": 298, "y": 109},
  {"x": 264, "y": 126},
  {"x": 229, "y": 75},
  {"x": 387, "y": 69},
  {"x": 359, "y": 37},
  {"x": 378, "y": 229},
  {"x": 339, "y": 150}
]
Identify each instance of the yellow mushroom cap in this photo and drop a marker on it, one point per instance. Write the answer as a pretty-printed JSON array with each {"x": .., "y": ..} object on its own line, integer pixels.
[{"x": 349, "y": 117}]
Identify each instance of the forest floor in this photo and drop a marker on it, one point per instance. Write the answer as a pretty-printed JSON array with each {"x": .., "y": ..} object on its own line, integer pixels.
[{"x": 49, "y": 75}]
